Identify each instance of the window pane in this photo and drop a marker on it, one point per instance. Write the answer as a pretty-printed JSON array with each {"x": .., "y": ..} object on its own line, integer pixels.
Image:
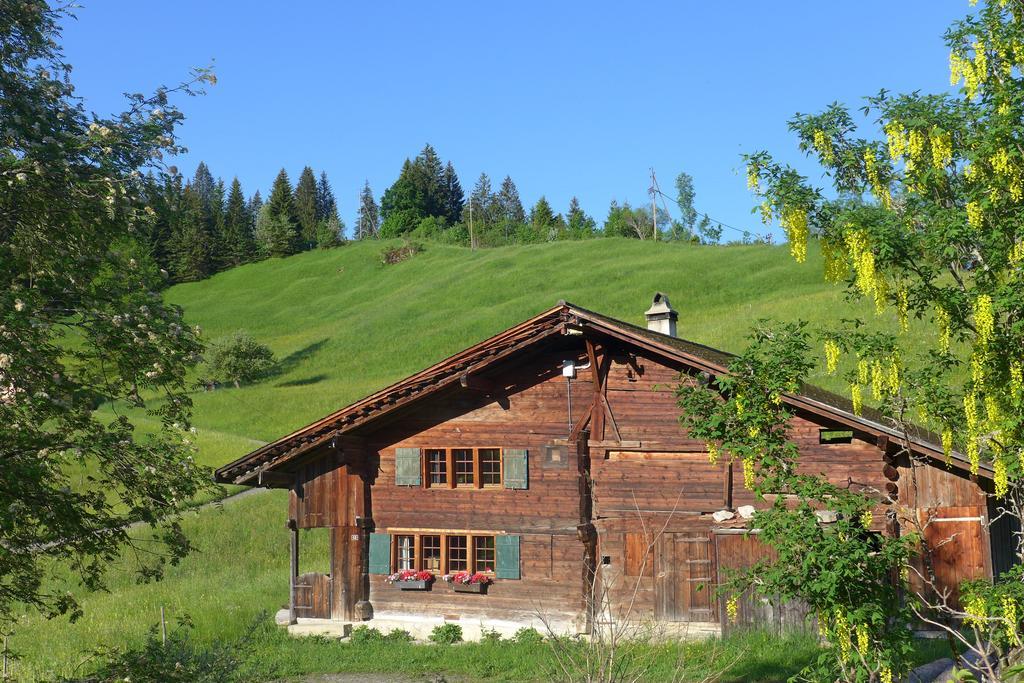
[
  {"x": 458, "y": 554},
  {"x": 483, "y": 553},
  {"x": 462, "y": 459},
  {"x": 490, "y": 466},
  {"x": 406, "y": 552},
  {"x": 430, "y": 547},
  {"x": 437, "y": 466}
]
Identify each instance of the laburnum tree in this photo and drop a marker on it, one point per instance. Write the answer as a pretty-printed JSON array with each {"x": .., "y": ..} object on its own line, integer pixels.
[
  {"x": 925, "y": 218},
  {"x": 82, "y": 322}
]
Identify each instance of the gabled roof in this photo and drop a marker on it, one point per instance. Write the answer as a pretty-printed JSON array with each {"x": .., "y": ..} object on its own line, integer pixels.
[{"x": 554, "y": 321}]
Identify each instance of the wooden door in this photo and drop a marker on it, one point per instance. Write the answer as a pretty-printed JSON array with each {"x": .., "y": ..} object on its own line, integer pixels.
[
  {"x": 684, "y": 578},
  {"x": 958, "y": 538},
  {"x": 313, "y": 596}
]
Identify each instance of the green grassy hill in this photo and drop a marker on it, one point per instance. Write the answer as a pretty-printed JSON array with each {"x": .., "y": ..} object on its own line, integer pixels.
[{"x": 343, "y": 326}]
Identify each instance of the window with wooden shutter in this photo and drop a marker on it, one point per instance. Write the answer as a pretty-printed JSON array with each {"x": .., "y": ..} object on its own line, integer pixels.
[
  {"x": 507, "y": 551},
  {"x": 380, "y": 554},
  {"x": 515, "y": 468},
  {"x": 407, "y": 467}
]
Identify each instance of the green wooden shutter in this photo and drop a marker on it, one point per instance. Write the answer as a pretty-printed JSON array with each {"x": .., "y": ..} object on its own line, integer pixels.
[
  {"x": 407, "y": 467},
  {"x": 514, "y": 468},
  {"x": 506, "y": 550},
  {"x": 380, "y": 553}
]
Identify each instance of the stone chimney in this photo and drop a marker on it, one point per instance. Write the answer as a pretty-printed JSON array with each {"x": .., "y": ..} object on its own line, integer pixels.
[{"x": 661, "y": 317}]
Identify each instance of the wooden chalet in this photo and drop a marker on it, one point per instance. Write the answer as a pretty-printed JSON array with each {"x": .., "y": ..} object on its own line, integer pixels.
[{"x": 553, "y": 449}]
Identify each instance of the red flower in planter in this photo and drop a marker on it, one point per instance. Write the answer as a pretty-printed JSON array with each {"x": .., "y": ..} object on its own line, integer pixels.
[
  {"x": 410, "y": 575},
  {"x": 466, "y": 578}
]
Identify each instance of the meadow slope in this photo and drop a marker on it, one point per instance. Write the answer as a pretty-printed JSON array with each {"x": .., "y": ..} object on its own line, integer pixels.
[{"x": 343, "y": 325}]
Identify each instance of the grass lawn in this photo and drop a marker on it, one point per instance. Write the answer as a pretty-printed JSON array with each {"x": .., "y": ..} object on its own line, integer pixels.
[{"x": 344, "y": 326}]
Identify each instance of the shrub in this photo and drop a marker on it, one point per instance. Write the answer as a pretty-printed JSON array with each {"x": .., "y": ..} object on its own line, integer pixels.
[
  {"x": 237, "y": 358},
  {"x": 180, "y": 659},
  {"x": 398, "y": 635},
  {"x": 490, "y": 635},
  {"x": 365, "y": 634},
  {"x": 446, "y": 634},
  {"x": 527, "y": 636},
  {"x": 392, "y": 255}
]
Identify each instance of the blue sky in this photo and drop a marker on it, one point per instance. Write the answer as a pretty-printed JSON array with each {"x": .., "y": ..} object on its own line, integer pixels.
[{"x": 569, "y": 98}]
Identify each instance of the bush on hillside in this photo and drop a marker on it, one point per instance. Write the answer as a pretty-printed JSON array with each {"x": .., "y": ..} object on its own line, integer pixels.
[
  {"x": 179, "y": 659},
  {"x": 236, "y": 358},
  {"x": 392, "y": 255}
]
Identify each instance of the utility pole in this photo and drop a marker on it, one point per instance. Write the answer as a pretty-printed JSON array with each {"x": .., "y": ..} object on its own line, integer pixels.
[{"x": 654, "y": 207}]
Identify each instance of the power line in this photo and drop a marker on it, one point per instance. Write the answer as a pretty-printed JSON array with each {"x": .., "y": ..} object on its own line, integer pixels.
[{"x": 704, "y": 215}]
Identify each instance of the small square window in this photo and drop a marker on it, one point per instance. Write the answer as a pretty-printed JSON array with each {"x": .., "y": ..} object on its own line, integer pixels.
[
  {"x": 437, "y": 467},
  {"x": 462, "y": 462},
  {"x": 405, "y": 552},
  {"x": 490, "y": 466},
  {"x": 483, "y": 553},
  {"x": 430, "y": 549},
  {"x": 458, "y": 554}
]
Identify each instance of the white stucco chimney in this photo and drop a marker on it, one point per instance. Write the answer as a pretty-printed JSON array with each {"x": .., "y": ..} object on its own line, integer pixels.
[{"x": 661, "y": 317}]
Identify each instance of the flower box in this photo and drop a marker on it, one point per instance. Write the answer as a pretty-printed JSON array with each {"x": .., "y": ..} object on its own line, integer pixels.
[
  {"x": 469, "y": 587},
  {"x": 411, "y": 580},
  {"x": 464, "y": 582}
]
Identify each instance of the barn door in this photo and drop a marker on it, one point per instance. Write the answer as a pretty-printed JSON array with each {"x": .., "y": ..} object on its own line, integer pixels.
[
  {"x": 958, "y": 537},
  {"x": 683, "y": 578}
]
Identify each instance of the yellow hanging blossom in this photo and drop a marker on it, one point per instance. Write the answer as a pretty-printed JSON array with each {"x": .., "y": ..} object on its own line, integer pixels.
[
  {"x": 915, "y": 148},
  {"x": 855, "y": 396},
  {"x": 956, "y": 68},
  {"x": 1000, "y": 162},
  {"x": 831, "y": 356},
  {"x": 976, "y": 611},
  {"x": 868, "y": 280},
  {"x": 1000, "y": 479},
  {"x": 885, "y": 674},
  {"x": 984, "y": 319},
  {"x": 794, "y": 222},
  {"x": 942, "y": 319},
  {"x": 877, "y": 380},
  {"x": 863, "y": 642},
  {"x": 836, "y": 267},
  {"x": 892, "y": 377},
  {"x": 866, "y": 519},
  {"x": 766, "y": 212},
  {"x": 947, "y": 445},
  {"x": 1017, "y": 253},
  {"x": 753, "y": 177},
  {"x": 971, "y": 172},
  {"x": 896, "y": 135},
  {"x": 942, "y": 148},
  {"x": 1016, "y": 379},
  {"x": 1010, "y": 620},
  {"x": 823, "y": 143},
  {"x": 739, "y": 404},
  {"x": 902, "y": 308},
  {"x": 978, "y": 369},
  {"x": 754, "y": 431},
  {"x": 979, "y": 74},
  {"x": 974, "y": 454},
  {"x": 881, "y": 291},
  {"x": 862, "y": 371},
  {"x": 880, "y": 190},
  {"x": 823, "y": 625},
  {"x": 971, "y": 412},
  {"x": 712, "y": 452},
  {"x": 732, "y": 608},
  {"x": 748, "y": 473},
  {"x": 974, "y": 215},
  {"x": 992, "y": 412},
  {"x": 841, "y": 630}
]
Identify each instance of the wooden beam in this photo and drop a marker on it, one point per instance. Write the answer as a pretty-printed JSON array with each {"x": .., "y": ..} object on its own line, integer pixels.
[
  {"x": 275, "y": 480},
  {"x": 293, "y": 532},
  {"x": 477, "y": 383},
  {"x": 727, "y": 486}
]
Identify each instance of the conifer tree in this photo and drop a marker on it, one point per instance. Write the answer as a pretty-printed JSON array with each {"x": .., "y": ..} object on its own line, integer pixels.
[
  {"x": 429, "y": 183},
  {"x": 280, "y": 232},
  {"x": 580, "y": 225},
  {"x": 191, "y": 254},
  {"x": 400, "y": 206},
  {"x": 237, "y": 235},
  {"x": 482, "y": 200},
  {"x": 454, "y": 199},
  {"x": 326, "y": 205},
  {"x": 509, "y": 206},
  {"x": 545, "y": 223},
  {"x": 305, "y": 208},
  {"x": 368, "y": 220}
]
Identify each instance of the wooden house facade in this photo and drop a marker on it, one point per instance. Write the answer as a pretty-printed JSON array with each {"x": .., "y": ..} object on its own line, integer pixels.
[{"x": 551, "y": 459}]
